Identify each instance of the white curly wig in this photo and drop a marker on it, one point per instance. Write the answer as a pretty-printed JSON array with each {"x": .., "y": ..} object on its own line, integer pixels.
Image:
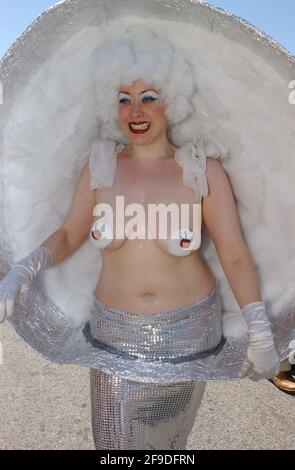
[{"x": 141, "y": 54}]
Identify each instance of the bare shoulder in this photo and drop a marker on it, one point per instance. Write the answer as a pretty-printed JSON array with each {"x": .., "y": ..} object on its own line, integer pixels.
[
  {"x": 217, "y": 178},
  {"x": 220, "y": 213},
  {"x": 214, "y": 167}
]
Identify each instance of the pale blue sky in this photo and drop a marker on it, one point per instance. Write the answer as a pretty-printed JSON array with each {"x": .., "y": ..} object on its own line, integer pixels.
[{"x": 274, "y": 17}]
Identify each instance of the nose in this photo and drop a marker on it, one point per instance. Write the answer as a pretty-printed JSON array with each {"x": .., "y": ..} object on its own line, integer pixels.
[{"x": 136, "y": 110}]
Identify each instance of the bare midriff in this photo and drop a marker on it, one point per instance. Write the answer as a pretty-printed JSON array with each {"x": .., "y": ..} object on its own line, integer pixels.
[
  {"x": 137, "y": 275},
  {"x": 145, "y": 280}
]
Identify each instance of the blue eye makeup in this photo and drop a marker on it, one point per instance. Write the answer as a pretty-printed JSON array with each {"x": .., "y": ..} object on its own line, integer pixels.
[
  {"x": 147, "y": 96},
  {"x": 124, "y": 98},
  {"x": 150, "y": 96}
]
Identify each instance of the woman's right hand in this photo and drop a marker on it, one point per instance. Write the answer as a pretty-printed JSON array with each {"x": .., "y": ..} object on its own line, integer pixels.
[{"x": 16, "y": 281}]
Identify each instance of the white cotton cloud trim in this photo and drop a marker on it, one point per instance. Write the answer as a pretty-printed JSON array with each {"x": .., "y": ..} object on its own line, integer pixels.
[{"x": 140, "y": 54}]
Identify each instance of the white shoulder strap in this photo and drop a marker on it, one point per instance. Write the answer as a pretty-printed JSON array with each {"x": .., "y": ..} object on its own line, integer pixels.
[
  {"x": 192, "y": 157},
  {"x": 103, "y": 162}
]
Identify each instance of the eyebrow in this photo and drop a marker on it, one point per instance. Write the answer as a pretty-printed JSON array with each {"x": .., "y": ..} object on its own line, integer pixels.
[{"x": 141, "y": 93}]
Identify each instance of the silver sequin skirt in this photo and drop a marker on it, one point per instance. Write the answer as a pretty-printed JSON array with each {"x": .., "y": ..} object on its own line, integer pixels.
[
  {"x": 128, "y": 414},
  {"x": 183, "y": 334}
]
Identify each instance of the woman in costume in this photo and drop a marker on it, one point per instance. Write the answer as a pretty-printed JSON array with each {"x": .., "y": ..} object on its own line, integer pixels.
[{"x": 155, "y": 335}]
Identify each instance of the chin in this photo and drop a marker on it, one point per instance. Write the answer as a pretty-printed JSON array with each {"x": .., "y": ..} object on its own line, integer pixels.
[{"x": 140, "y": 139}]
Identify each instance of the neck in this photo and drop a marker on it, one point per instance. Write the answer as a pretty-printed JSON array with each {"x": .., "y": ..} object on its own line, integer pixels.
[{"x": 160, "y": 149}]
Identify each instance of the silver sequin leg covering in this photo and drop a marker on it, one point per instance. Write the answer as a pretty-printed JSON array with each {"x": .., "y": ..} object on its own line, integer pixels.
[
  {"x": 127, "y": 414},
  {"x": 142, "y": 416}
]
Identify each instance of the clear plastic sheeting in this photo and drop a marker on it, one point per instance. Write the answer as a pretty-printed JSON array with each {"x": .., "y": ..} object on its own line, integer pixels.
[{"x": 62, "y": 340}]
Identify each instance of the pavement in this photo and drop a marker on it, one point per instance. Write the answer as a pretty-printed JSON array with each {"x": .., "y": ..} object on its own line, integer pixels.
[{"x": 47, "y": 406}]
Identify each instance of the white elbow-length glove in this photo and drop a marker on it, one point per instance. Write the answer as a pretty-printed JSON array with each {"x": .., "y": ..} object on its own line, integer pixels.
[
  {"x": 261, "y": 351},
  {"x": 19, "y": 277}
]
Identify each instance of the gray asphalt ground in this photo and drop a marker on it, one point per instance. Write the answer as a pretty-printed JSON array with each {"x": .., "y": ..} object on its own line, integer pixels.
[{"x": 47, "y": 406}]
